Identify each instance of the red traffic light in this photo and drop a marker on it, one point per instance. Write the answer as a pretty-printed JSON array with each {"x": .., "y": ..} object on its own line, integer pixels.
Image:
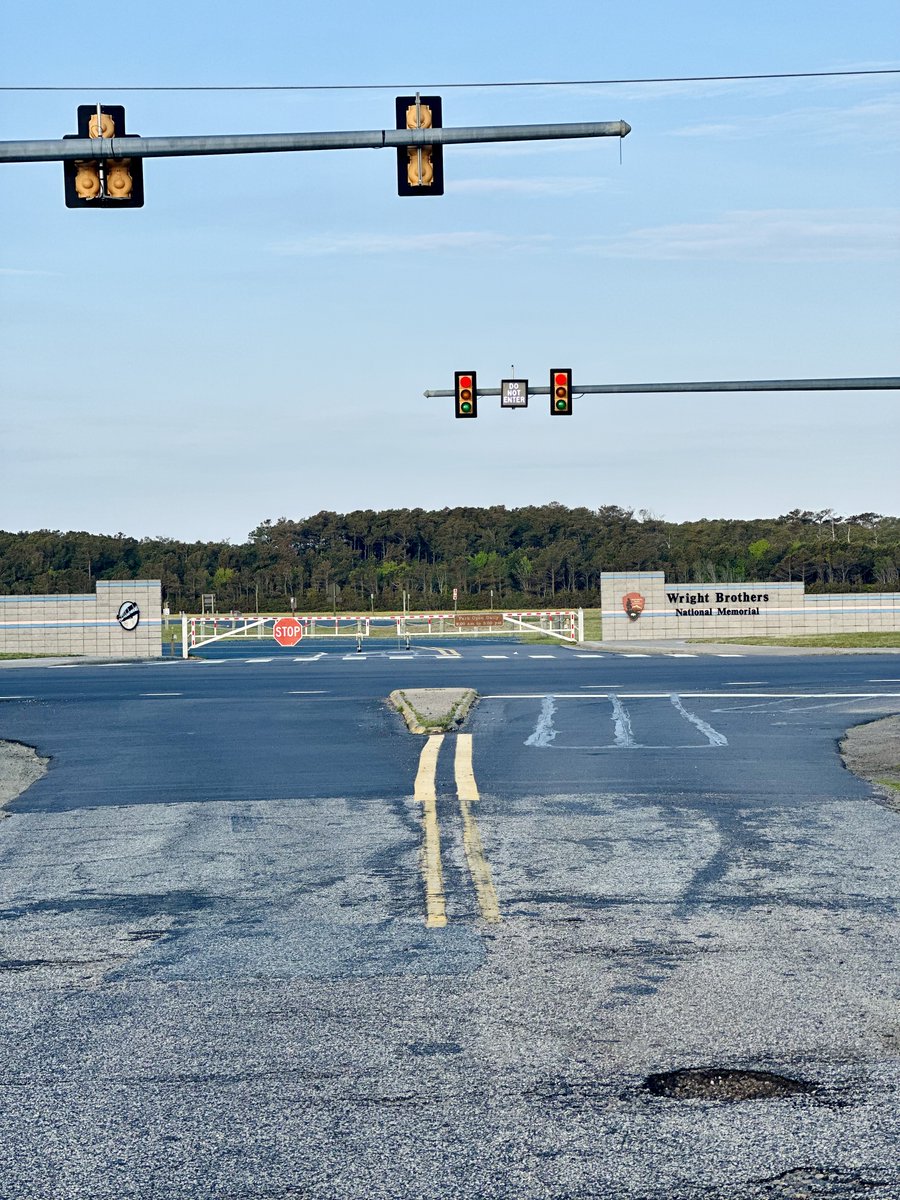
[
  {"x": 561, "y": 393},
  {"x": 465, "y": 391}
]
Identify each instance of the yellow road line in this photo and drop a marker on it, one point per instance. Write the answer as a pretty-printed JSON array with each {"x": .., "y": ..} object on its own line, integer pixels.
[
  {"x": 435, "y": 905},
  {"x": 467, "y": 790}
]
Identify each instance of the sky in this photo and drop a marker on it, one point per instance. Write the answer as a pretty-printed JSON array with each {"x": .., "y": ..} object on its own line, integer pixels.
[{"x": 254, "y": 343}]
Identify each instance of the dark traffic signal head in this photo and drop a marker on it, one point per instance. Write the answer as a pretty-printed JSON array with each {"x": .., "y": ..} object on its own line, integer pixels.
[
  {"x": 561, "y": 392},
  {"x": 465, "y": 389},
  {"x": 420, "y": 169},
  {"x": 103, "y": 183}
]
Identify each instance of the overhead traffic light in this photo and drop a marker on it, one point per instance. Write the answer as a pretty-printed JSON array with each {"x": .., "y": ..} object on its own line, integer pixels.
[
  {"x": 103, "y": 182},
  {"x": 466, "y": 391},
  {"x": 420, "y": 169},
  {"x": 561, "y": 392}
]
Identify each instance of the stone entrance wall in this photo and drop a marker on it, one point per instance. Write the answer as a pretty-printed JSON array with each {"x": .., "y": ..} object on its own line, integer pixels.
[
  {"x": 641, "y": 605},
  {"x": 122, "y": 620}
]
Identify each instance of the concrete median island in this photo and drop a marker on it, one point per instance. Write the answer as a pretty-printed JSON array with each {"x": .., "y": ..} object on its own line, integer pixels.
[
  {"x": 20, "y": 767},
  {"x": 872, "y": 751},
  {"x": 433, "y": 710}
]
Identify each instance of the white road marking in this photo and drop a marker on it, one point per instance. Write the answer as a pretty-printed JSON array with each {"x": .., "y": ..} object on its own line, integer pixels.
[
  {"x": 643, "y": 746},
  {"x": 200, "y": 658},
  {"x": 162, "y": 693},
  {"x": 310, "y": 657},
  {"x": 699, "y": 695},
  {"x": 544, "y": 733},
  {"x": 354, "y": 657},
  {"x": 320, "y": 692},
  {"x": 589, "y": 656},
  {"x": 61, "y": 666},
  {"x": 495, "y": 656},
  {"x": 257, "y": 660},
  {"x": 17, "y": 697},
  {"x": 542, "y": 656},
  {"x": 712, "y": 735},
  {"x": 745, "y": 682},
  {"x": 816, "y": 707},
  {"x": 623, "y": 733},
  {"x": 680, "y": 656},
  {"x": 730, "y": 655},
  {"x": 636, "y": 656},
  {"x": 883, "y": 681}
]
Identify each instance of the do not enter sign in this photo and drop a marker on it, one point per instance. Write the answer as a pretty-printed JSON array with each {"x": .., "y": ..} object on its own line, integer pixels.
[{"x": 287, "y": 631}]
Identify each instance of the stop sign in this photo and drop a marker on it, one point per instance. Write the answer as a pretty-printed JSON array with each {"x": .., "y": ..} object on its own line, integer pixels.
[{"x": 287, "y": 631}]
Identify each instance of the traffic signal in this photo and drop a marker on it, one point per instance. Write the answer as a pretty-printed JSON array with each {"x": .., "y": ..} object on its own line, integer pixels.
[
  {"x": 466, "y": 391},
  {"x": 561, "y": 393},
  {"x": 103, "y": 182},
  {"x": 420, "y": 169}
]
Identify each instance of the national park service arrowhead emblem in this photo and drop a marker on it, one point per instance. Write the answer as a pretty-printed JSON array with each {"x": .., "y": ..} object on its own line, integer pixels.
[{"x": 633, "y": 603}]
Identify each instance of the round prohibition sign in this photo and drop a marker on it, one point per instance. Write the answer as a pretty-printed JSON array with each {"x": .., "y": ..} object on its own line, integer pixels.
[{"x": 287, "y": 631}]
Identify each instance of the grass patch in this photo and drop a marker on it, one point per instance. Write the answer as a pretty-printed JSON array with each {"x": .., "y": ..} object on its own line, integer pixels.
[
  {"x": 894, "y": 784},
  {"x": 32, "y": 655},
  {"x": 836, "y": 641},
  {"x": 592, "y": 625}
]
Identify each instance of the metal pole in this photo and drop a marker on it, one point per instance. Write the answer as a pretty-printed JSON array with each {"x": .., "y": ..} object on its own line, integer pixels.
[
  {"x": 864, "y": 384},
  {"x": 267, "y": 143}
]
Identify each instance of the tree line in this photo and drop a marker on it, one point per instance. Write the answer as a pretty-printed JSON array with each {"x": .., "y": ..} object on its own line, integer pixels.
[{"x": 547, "y": 555}]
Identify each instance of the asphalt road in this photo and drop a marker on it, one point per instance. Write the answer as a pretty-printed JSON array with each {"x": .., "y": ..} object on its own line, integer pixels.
[{"x": 259, "y": 941}]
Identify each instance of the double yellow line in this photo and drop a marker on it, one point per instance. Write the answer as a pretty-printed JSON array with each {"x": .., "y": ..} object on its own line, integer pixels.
[{"x": 467, "y": 791}]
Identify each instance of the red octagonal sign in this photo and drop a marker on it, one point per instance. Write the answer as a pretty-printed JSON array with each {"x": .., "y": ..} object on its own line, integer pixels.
[{"x": 287, "y": 631}]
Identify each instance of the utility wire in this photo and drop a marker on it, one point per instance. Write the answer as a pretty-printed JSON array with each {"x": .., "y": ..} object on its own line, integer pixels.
[{"x": 400, "y": 87}]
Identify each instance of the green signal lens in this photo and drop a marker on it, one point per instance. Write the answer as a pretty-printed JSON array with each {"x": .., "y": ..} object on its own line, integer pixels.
[
  {"x": 560, "y": 405},
  {"x": 466, "y": 406}
]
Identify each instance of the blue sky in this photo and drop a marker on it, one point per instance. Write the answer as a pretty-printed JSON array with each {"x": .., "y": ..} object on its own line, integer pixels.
[{"x": 255, "y": 341}]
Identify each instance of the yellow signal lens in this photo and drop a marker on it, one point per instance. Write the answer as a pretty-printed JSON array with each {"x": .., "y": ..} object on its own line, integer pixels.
[
  {"x": 87, "y": 180},
  {"x": 118, "y": 179}
]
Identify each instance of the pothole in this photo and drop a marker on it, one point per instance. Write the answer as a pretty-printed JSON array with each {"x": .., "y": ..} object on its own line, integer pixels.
[{"x": 724, "y": 1083}]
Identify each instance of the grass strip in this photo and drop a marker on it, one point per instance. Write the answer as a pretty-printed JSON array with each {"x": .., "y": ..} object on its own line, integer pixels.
[{"x": 835, "y": 641}]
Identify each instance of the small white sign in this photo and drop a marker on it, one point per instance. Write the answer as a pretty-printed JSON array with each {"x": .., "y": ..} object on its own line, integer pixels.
[{"x": 513, "y": 393}]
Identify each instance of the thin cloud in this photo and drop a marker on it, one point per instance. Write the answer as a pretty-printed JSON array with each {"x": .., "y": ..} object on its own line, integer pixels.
[
  {"x": 876, "y": 120},
  {"x": 773, "y": 235},
  {"x": 368, "y": 244},
  {"x": 548, "y": 185},
  {"x": 22, "y": 271}
]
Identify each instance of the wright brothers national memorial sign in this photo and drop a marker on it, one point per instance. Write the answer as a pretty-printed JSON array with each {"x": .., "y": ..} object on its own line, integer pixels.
[{"x": 642, "y": 606}]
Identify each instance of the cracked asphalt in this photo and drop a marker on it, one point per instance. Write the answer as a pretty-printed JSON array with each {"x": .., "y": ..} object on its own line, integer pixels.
[{"x": 216, "y": 980}]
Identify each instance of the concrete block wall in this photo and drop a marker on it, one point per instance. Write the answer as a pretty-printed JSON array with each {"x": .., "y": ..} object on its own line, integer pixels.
[
  {"x": 85, "y": 625},
  {"x": 703, "y": 610}
]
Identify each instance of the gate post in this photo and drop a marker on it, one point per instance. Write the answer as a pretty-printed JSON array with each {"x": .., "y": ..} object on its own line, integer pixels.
[{"x": 184, "y": 642}]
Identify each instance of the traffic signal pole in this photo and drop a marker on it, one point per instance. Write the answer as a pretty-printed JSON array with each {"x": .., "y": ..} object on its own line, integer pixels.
[
  {"x": 864, "y": 384},
  {"x": 270, "y": 143}
]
